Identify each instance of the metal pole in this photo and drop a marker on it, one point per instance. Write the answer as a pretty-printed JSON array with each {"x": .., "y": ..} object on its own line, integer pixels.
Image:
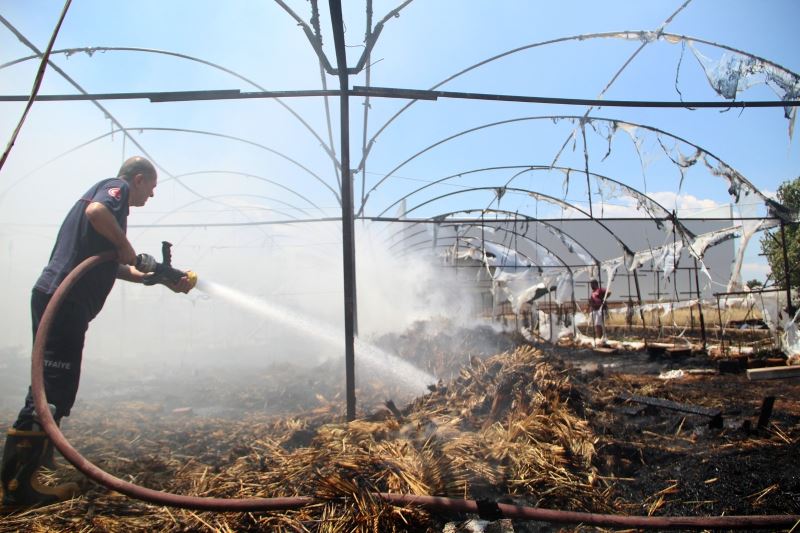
[
  {"x": 691, "y": 312},
  {"x": 658, "y": 299},
  {"x": 721, "y": 331},
  {"x": 786, "y": 274},
  {"x": 550, "y": 312},
  {"x": 641, "y": 311},
  {"x": 348, "y": 230},
  {"x": 700, "y": 305}
]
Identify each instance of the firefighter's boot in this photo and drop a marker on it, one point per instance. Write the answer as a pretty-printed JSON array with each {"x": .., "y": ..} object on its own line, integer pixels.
[{"x": 22, "y": 458}]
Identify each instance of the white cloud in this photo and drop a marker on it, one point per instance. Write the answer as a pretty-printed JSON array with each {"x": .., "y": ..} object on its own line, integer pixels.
[{"x": 684, "y": 204}]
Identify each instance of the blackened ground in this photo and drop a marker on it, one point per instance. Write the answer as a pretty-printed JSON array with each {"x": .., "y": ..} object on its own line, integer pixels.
[{"x": 674, "y": 463}]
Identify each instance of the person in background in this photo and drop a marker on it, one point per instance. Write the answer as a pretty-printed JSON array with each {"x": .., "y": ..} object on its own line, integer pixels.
[
  {"x": 597, "y": 304},
  {"x": 96, "y": 223}
]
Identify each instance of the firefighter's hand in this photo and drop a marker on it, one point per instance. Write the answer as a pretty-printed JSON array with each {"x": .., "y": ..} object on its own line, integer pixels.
[
  {"x": 126, "y": 255},
  {"x": 183, "y": 285}
]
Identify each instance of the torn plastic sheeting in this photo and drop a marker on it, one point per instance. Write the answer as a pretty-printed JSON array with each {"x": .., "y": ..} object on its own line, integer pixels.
[
  {"x": 736, "y": 301},
  {"x": 518, "y": 294},
  {"x": 565, "y": 181},
  {"x": 562, "y": 282},
  {"x": 580, "y": 273},
  {"x": 749, "y": 227},
  {"x": 669, "y": 257},
  {"x": 571, "y": 245},
  {"x": 733, "y": 73},
  {"x": 564, "y": 288},
  {"x": 632, "y": 132},
  {"x": 770, "y": 313},
  {"x": 642, "y": 35},
  {"x": 636, "y": 139},
  {"x": 683, "y": 162},
  {"x": 790, "y": 338},
  {"x": 496, "y": 256},
  {"x": 466, "y": 252},
  {"x": 610, "y": 190},
  {"x": 500, "y": 293},
  {"x": 641, "y": 257},
  {"x": 688, "y": 161},
  {"x": 507, "y": 277},
  {"x": 662, "y": 307},
  {"x": 610, "y": 268},
  {"x": 532, "y": 293},
  {"x": 701, "y": 243},
  {"x": 504, "y": 257},
  {"x": 554, "y": 333},
  {"x": 736, "y": 182}
]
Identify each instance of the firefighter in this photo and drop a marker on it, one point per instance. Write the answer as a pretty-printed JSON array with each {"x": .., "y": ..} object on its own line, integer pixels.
[{"x": 96, "y": 223}]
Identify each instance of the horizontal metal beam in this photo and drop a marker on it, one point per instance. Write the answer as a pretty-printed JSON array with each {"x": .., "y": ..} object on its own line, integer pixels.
[
  {"x": 433, "y": 95},
  {"x": 388, "y": 92},
  {"x": 523, "y": 218}
]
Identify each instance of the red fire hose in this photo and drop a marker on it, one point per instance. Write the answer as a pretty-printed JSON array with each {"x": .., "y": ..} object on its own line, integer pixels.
[{"x": 496, "y": 510}]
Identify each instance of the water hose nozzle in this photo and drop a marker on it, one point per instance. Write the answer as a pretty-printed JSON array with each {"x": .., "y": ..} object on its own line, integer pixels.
[{"x": 163, "y": 272}]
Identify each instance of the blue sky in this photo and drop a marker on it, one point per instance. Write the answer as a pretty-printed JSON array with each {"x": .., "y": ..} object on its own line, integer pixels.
[{"x": 427, "y": 43}]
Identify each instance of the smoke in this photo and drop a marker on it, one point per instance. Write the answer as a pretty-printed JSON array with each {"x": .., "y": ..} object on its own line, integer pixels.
[
  {"x": 296, "y": 267},
  {"x": 150, "y": 333}
]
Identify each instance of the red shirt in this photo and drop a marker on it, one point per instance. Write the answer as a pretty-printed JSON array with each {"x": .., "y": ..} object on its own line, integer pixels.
[{"x": 597, "y": 299}]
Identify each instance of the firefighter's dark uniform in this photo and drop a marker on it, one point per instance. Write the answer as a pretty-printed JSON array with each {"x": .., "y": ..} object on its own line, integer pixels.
[{"x": 77, "y": 239}]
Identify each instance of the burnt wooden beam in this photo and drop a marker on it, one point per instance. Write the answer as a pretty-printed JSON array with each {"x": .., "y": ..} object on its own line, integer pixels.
[{"x": 714, "y": 414}]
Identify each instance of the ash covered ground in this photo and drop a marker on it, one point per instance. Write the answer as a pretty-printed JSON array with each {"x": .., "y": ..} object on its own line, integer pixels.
[{"x": 533, "y": 425}]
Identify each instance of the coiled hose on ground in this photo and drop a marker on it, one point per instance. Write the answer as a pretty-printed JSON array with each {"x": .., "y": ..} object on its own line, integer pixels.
[{"x": 482, "y": 508}]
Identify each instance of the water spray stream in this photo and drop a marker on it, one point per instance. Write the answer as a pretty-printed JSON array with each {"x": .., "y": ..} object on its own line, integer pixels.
[{"x": 370, "y": 357}]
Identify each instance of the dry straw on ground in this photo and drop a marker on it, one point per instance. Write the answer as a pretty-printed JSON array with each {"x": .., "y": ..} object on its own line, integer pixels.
[{"x": 504, "y": 429}]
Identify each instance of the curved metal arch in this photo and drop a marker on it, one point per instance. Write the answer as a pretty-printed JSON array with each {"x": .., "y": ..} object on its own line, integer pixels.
[
  {"x": 405, "y": 238},
  {"x": 93, "y": 49},
  {"x": 24, "y": 40},
  {"x": 634, "y": 192},
  {"x": 548, "y": 250},
  {"x": 684, "y": 232},
  {"x": 257, "y": 177},
  {"x": 501, "y": 245},
  {"x": 245, "y": 141},
  {"x": 642, "y": 35},
  {"x": 480, "y": 226},
  {"x": 522, "y": 218},
  {"x": 172, "y": 176},
  {"x": 102, "y": 108},
  {"x": 260, "y": 197},
  {"x": 516, "y": 234},
  {"x": 107, "y": 113},
  {"x": 626, "y": 249},
  {"x": 212, "y": 199},
  {"x": 767, "y": 201}
]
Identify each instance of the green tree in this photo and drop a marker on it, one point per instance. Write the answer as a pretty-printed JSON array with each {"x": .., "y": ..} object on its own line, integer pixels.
[
  {"x": 771, "y": 243},
  {"x": 754, "y": 284}
]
